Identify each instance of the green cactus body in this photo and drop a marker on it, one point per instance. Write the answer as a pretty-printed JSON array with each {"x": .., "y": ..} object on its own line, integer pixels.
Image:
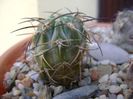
[
  {"x": 59, "y": 44},
  {"x": 59, "y": 49}
]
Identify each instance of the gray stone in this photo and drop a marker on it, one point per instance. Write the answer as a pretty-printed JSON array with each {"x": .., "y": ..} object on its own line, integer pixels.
[
  {"x": 114, "y": 89},
  {"x": 85, "y": 81},
  {"x": 102, "y": 97},
  {"x": 112, "y": 96},
  {"x": 79, "y": 93},
  {"x": 104, "y": 78},
  {"x": 120, "y": 96},
  {"x": 86, "y": 72},
  {"x": 113, "y": 78},
  {"x": 124, "y": 86},
  {"x": 58, "y": 90},
  {"x": 33, "y": 74},
  {"x": 103, "y": 86},
  {"x": 108, "y": 52},
  {"x": 104, "y": 69}
]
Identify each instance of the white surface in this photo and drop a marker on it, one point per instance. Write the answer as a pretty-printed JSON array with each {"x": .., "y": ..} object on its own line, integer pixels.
[
  {"x": 11, "y": 12},
  {"x": 87, "y": 6}
]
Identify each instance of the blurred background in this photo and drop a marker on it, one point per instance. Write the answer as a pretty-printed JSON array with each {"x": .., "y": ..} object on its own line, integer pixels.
[{"x": 12, "y": 12}]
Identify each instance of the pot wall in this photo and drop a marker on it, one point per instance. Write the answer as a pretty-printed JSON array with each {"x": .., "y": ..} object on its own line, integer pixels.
[{"x": 9, "y": 57}]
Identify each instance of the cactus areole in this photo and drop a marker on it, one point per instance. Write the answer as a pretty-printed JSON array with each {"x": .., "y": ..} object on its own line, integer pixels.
[{"x": 59, "y": 44}]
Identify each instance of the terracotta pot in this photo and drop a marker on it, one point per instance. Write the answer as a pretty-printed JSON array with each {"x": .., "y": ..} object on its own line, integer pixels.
[{"x": 9, "y": 57}]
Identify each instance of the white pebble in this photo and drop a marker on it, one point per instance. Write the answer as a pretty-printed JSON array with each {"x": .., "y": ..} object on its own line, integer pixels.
[
  {"x": 104, "y": 78},
  {"x": 25, "y": 68},
  {"x": 15, "y": 91},
  {"x": 114, "y": 89},
  {"x": 20, "y": 86},
  {"x": 21, "y": 97},
  {"x": 36, "y": 93},
  {"x": 33, "y": 75},
  {"x": 34, "y": 97},
  {"x": 120, "y": 96},
  {"x": 36, "y": 86},
  {"x": 113, "y": 77},
  {"x": 12, "y": 73},
  {"x": 18, "y": 64},
  {"x": 86, "y": 72},
  {"x": 106, "y": 62},
  {"x": 122, "y": 74},
  {"x": 17, "y": 82},
  {"x": 119, "y": 80},
  {"x": 102, "y": 97},
  {"x": 103, "y": 86},
  {"x": 123, "y": 86},
  {"x": 131, "y": 56},
  {"x": 58, "y": 90}
]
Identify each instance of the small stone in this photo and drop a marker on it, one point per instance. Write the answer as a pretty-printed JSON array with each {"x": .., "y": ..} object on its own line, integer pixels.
[
  {"x": 18, "y": 64},
  {"x": 21, "y": 97},
  {"x": 17, "y": 81},
  {"x": 124, "y": 67},
  {"x": 25, "y": 68},
  {"x": 102, "y": 97},
  {"x": 131, "y": 56},
  {"x": 106, "y": 62},
  {"x": 45, "y": 93},
  {"x": 113, "y": 78},
  {"x": 15, "y": 91},
  {"x": 85, "y": 81},
  {"x": 58, "y": 90},
  {"x": 8, "y": 82},
  {"x": 35, "y": 67},
  {"x": 120, "y": 96},
  {"x": 34, "y": 97},
  {"x": 21, "y": 76},
  {"x": 20, "y": 86},
  {"x": 115, "y": 69},
  {"x": 36, "y": 86},
  {"x": 94, "y": 74},
  {"x": 127, "y": 93},
  {"x": 122, "y": 75},
  {"x": 27, "y": 82},
  {"x": 36, "y": 92},
  {"x": 116, "y": 55},
  {"x": 104, "y": 69},
  {"x": 103, "y": 86},
  {"x": 112, "y": 96},
  {"x": 104, "y": 78},
  {"x": 123, "y": 86},
  {"x": 114, "y": 89},
  {"x": 7, "y": 95},
  {"x": 13, "y": 73},
  {"x": 33, "y": 75},
  {"x": 78, "y": 93},
  {"x": 27, "y": 93},
  {"x": 86, "y": 72},
  {"x": 119, "y": 81}
]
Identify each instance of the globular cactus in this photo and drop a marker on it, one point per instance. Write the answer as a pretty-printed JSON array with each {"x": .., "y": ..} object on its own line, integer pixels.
[{"x": 59, "y": 45}]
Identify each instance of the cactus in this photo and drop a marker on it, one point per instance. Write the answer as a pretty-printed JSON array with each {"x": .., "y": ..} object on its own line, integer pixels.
[{"x": 59, "y": 45}]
